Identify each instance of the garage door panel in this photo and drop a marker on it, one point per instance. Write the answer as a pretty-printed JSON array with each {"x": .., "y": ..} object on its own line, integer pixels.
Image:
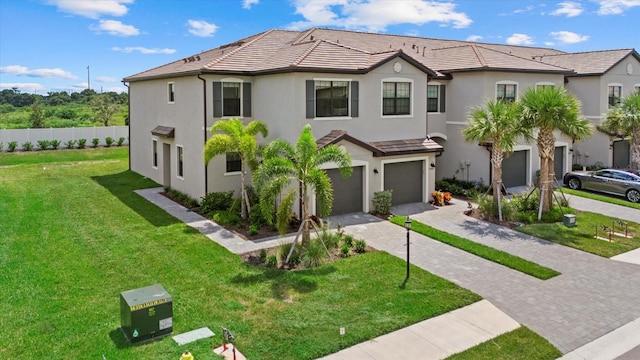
[
  {"x": 406, "y": 179},
  {"x": 514, "y": 169},
  {"x": 558, "y": 162},
  {"x": 347, "y": 193}
]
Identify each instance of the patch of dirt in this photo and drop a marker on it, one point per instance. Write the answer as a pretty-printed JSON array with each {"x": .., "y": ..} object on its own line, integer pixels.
[
  {"x": 477, "y": 214},
  {"x": 253, "y": 257}
]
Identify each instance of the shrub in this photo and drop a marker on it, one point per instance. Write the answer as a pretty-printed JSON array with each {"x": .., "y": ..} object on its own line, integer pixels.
[
  {"x": 348, "y": 240},
  {"x": 344, "y": 250},
  {"x": 263, "y": 256},
  {"x": 469, "y": 189},
  {"x": 314, "y": 254},
  {"x": 121, "y": 140},
  {"x": 438, "y": 198},
  {"x": 27, "y": 146},
  {"x": 82, "y": 143},
  {"x": 1, "y": 146},
  {"x": 95, "y": 142},
  {"x": 226, "y": 218},
  {"x": 70, "y": 144},
  {"x": 490, "y": 209},
  {"x": 54, "y": 144},
  {"x": 215, "y": 201},
  {"x": 256, "y": 217},
  {"x": 272, "y": 260},
  {"x": 329, "y": 239},
  {"x": 108, "y": 141},
  {"x": 11, "y": 147},
  {"x": 253, "y": 230},
  {"x": 576, "y": 167},
  {"x": 43, "y": 144},
  {"x": 360, "y": 246},
  {"x": 181, "y": 197},
  {"x": 382, "y": 202},
  {"x": 283, "y": 251}
]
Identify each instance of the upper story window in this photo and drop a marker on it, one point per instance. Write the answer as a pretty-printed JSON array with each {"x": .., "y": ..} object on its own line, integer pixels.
[
  {"x": 234, "y": 163},
  {"x": 506, "y": 91},
  {"x": 331, "y": 98},
  {"x": 180, "y": 161},
  {"x": 171, "y": 92},
  {"x": 396, "y": 98},
  {"x": 615, "y": 94},
  {"x": 231, "y": 98},
  {"x": 435, "y": 98}
]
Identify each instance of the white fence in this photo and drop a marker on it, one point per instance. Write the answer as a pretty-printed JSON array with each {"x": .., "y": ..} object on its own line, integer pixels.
[{"x": 63, "y": 134}]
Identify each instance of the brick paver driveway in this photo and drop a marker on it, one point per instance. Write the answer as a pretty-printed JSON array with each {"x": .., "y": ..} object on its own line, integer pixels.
[{"x": 592, "y": 297}]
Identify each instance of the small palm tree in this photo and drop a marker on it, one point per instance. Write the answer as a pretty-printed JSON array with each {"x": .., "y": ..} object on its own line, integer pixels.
[
  {"x": 231, "y": 136},
  {"x": 624, "y": 120},
  {"x": 547, "y": 109},
  {"x": 296, "y": 172},
  {"x": 497, "y": 122}
]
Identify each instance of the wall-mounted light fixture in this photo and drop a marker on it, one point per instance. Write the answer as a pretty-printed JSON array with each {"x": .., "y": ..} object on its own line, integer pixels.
[
  {"x": 433, "y": 165},
  {"x": 375, "y": 170}
]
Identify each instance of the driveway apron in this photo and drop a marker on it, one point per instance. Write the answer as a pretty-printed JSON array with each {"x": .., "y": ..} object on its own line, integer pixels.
[{"x": 592, "y": 297}]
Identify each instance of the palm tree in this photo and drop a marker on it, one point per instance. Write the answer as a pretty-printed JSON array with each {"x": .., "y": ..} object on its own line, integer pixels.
[
  {"x": 497, "y": 122},
  {"x": 624, "y": 120},
  {"x": 234, "y": 137},
  {"x": 296, "y": 171},
  {"x": 547, "y": 109}
]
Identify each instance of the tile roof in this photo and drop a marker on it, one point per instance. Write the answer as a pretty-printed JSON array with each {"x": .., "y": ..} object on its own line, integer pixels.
[
  {"x": 383, "y": 148},
  {"x": 591, "y": 62},
  {"x": 325, "y": 50}
]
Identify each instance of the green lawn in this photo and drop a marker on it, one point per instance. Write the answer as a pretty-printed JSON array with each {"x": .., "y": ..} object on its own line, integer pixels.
[
  {"x": 74, "y": 235},
  {"x": 486, "y": 252},
  {"x": 520, "y": 343},
  {"x": 582, "y": 235},
  {"x": 600, "y": 197},
  {"x": 53, "y": 156}
]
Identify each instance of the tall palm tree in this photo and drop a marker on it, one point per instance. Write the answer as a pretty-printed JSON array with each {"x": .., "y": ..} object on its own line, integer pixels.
[
  {"x": 497, "y": 122},
  {"x": 547, "y": 109},
  {"x": 624, "y": 120},
  {"x": 232, "y": 136},
  {"x": 296, "y": 171}
]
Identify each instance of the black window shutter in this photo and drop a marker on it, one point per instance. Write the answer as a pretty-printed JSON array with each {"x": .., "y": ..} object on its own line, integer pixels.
[
  {"x": 354, "y": 98},
  {"x": 217, "y": 99},
  {"x": 246, "y": 99},
  {"x": 443, "y": 98},
  {"x": 311, "y": 99}
]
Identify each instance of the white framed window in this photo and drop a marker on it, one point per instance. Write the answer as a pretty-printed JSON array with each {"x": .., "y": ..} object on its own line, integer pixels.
[
  {"x": 154, "y": 147},
  {"x": 180, "y": 160},
  {"x": 397, "y": 97},
  {"x": 234, "y": 163},
  {"x": 507, "y": 91},
  {"x": 231, "y": 99},
  {"x": 614, "y": 94},
  {"x": 435, "y": 97},
  {"x": 171, "y": 92},
  {"x": 331, "y": 99}
]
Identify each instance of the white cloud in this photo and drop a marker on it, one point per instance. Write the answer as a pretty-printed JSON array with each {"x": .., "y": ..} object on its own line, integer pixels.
[
  {"x": 527, "y": 9},
  {"x": 549, "y": 43},
  {"x": 474, "y": 38},
  {"x": 615, "y": 7},
  {"x": 569, "y": 9},
  {"x": 520, "y": 39},
  {"x": 114, "y": 27},
  {"x": 25, "y": 87},
  {"x": 92, "y": 9},
  {"x": 105, "y": 79},
  {"x": 116, "y": 89},
  {"x": 82, "y": 85},
  {"x": 143, "y": 50},
  {"x": 248, "y": 3},
  {"x": 201, "y": 28},
  {"x": 45, "y": 73},
  {"x": 366, "y": 14},
  {"x": 568, "y": 37}
]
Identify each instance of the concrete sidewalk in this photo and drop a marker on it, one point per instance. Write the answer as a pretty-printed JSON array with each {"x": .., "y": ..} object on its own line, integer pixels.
[{"x": 435, "y": 338}]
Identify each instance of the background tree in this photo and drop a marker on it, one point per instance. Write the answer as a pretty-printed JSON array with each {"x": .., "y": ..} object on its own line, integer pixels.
[
  {"x": 37, "y": 115},
  {"x": 296, "y": 172},
  {"x": 233, "y": 137},
  {"x": 547, "y": 109},
  {"x": 624, "y": 120},
  {"x": 496, "y": 122},
  {"x": 104, "y": 107}
]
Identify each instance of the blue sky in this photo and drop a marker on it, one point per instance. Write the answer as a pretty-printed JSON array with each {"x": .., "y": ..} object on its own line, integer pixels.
[{"x": 47, "y": 45}]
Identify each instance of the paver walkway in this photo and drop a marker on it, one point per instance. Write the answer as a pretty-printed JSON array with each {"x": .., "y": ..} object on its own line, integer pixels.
[{"x": 591, "y": 298}]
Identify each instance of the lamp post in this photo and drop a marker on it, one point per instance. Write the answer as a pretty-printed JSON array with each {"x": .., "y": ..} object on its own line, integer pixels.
[{"x": 407, "y": 225}]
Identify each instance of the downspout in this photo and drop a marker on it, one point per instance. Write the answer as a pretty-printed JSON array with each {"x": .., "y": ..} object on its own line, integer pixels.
[
  {"x": 129, "y": 127},
  {"x": 426, "y": 135},
  {"x": 204, "y": 126}
]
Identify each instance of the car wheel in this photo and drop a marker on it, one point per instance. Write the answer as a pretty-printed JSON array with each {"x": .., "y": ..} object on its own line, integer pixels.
[
  {"x": 633, "y": 195},
  {"x": 574, "y": 183}
]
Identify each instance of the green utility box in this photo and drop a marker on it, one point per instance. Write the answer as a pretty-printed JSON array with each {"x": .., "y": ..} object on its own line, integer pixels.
[{"x": 146, "y": 313}]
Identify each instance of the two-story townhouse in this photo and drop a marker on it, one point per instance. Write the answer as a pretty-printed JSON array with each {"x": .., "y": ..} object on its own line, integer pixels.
[{"x": 601, "y": 79}]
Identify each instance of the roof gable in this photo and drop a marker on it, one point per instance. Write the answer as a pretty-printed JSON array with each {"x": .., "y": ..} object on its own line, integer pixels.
[{"x": 591, "y": 62}]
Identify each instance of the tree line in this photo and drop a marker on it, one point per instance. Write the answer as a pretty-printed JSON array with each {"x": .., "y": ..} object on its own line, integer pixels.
[{"x": 16, "y": 98}]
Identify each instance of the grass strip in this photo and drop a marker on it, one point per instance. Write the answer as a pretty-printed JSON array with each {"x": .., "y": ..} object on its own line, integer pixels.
[
  {"x": 64, "y": 155},
  {"x": 604, "y": 198},
  {"x": 582, "y": 236},
  {"x": 485, "y": 252},
  {"x": 520, "y": 343}
]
